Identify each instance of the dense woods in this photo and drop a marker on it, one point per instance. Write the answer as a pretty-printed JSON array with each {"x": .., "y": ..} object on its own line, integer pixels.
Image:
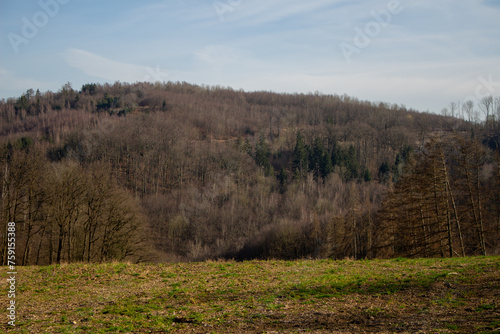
[{"x": 179, "y": 172}]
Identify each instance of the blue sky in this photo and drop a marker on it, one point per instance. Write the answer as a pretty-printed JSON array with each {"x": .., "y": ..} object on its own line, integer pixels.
[{"x": 423, "y": 54}]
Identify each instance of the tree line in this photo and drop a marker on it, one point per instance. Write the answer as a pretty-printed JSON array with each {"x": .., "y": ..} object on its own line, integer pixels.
[
  {"x": 66, "y": 213},
  {"x": 446, "y": 204},
  {"x": 205, "y": 172}
]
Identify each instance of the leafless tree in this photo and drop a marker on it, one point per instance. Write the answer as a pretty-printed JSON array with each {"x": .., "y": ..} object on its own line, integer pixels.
[
  {"x": 468, "y": 107},
  {"x": 486, "y": 106}
]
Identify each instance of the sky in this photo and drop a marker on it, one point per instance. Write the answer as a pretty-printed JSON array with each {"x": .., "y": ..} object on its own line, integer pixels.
[{"x": 422, "y": 54}]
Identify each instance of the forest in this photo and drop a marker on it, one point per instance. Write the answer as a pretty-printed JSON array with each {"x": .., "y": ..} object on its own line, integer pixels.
[{"x": 156, "y": 172}]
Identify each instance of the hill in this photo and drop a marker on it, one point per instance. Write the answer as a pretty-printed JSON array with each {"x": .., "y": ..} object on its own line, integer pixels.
[
  {"x": 459, "y": 295},
  {"x": 173, "y": 171}
]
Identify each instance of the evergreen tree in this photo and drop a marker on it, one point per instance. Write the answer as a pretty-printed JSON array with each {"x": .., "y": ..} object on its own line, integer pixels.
[
  {"x": 399, "y": 164},
  {"x": 300, "y": 158},
  {"x": 383, "y": 172},
  {"x": 262, "y": 154},
  {"x": 351, "y": 163},
  {"x": 321, "y": 162},
  {"x": 336, "y": 154},
  {"x": 22, "y": 103},
  {"x": 367, "y": 176}
]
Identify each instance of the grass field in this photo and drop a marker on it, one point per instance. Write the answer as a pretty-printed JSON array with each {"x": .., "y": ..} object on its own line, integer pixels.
[{"x": 459, "y": 295}]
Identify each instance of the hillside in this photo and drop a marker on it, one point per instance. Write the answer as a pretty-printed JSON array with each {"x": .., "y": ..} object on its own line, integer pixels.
[
  {"x": 458, "y": 295},
  {"x": 178, "y": 172}
]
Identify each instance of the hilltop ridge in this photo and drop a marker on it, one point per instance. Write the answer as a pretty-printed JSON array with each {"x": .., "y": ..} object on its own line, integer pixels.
[{"x": 208, "y": 172}]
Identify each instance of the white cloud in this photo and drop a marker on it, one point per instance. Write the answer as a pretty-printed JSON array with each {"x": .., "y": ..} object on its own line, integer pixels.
[{"x": 430, "y": 54}]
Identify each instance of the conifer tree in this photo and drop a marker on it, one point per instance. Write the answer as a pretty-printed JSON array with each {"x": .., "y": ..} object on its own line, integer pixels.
[
  {"x": 262, "y": 154},
  {"x": 300, "y": 158},
  {"x": 321, "y": 162}
]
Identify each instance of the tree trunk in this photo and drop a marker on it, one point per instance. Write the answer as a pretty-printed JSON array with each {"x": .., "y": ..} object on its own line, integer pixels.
[
  {"x": 481, "y": 226},
  {"x": 60, "y": 244}
]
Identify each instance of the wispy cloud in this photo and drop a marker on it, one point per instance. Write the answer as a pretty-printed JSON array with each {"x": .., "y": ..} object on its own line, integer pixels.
[
  {"x": 430, "y": 53},
  {"x": 261, "y": 12},
  {"x": 108, "y": 69}
]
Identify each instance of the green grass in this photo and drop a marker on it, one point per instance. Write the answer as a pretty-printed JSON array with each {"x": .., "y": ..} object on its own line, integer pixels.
[{"x": 426, "y": 295}]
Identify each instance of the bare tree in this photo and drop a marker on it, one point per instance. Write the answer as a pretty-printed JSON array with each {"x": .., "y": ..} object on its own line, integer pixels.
[
  {"x": 64, "y": 200},
  {"x": 471, "y": 160},
  {"x": 486, "y": 106},
  {"x": 496, "y": 109},
  {"x": 469, "y": 110},
  {"x": 453, "y": 108}
]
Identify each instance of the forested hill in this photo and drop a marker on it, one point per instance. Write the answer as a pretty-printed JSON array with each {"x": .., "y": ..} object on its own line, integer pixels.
[{"x": 173, "y": 171}]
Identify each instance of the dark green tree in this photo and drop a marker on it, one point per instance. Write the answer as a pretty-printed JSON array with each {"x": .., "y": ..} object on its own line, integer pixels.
[
  {"x": 401, "y": 159},
  {"x": 24, "y": 143},
  {"x": 38, "y": 103},
  {"x": 336, "y": 154},
  {"x": 90, "y": 89},
  {"x": 300, "y": 156},
  {"x": 321, "y": 162},
  {"x": 22, "y": 103},
  {"x": 383, "y": 172},
  {"x": 262, "y": 153},
  {"x": 108, "y": 103},
  {"x": 351, "y": 164},
  {"x": 367, "y": 176}
]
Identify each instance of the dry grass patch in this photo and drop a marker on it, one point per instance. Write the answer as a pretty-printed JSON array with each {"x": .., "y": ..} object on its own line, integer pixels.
[{"x": 322, "y": 296}]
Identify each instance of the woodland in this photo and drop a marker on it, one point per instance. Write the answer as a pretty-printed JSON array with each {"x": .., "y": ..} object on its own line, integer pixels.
[{"x": 167, "y": 172}]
